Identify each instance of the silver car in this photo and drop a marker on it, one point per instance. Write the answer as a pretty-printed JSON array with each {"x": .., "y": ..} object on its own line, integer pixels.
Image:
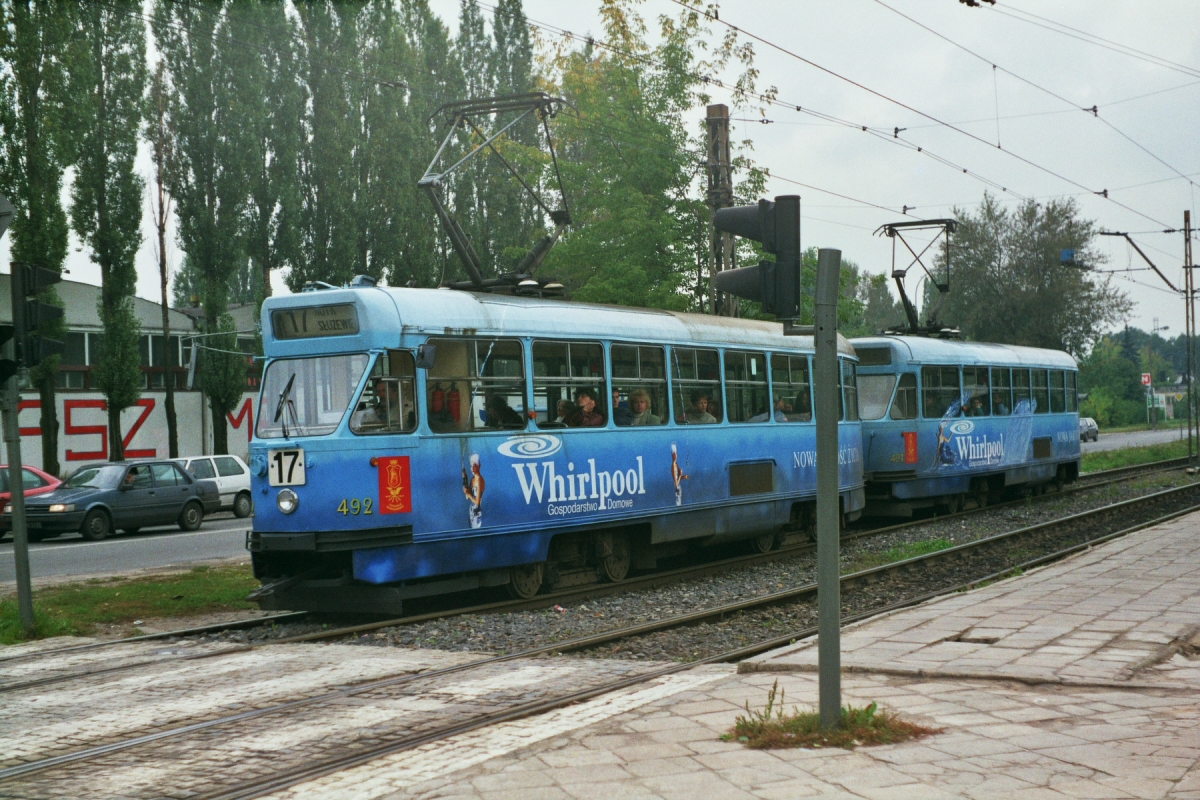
[
  {"x": 1088, "y": 429},
  {"x": 232, "y": 477}
]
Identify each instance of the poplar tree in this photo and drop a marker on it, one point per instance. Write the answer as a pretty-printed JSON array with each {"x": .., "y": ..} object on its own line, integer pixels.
[
  {"x": 209, "y": 183},
  {"x": 158, "y": 135},
  {"x": 264, "y": 59},
  {"x": 34, "y": 148},
  {"x": 106, "y": 84}
]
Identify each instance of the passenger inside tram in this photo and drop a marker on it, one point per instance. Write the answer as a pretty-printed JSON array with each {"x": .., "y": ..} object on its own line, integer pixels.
[
  {"x": 587, "y": 414},
  {"x": 500, "y": 415},
  {"x": 639, "y": 404},
  {"x": 699, "y": 414},
  {"x": 801, "y": 408},
  {"x": 621, "y": 414}
]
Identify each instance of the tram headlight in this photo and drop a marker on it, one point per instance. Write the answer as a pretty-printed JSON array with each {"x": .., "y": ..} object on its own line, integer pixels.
[{"x": 287, "y": 501}]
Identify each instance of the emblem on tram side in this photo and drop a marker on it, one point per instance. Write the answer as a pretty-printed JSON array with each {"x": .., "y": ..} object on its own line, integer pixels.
[
  {"x": 537, "y": 445},
  {"x": 395, "y": 491}
]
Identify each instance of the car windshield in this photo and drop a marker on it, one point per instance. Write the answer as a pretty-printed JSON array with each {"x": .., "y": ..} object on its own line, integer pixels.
[
  {"x": 874, "y": 394},
  {"x": 308, "y": 396},
  {"x": 95, "y": 478}
]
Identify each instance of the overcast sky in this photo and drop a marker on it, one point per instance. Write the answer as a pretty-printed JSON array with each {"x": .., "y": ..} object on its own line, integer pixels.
[{"x": 1152, "y": 103}]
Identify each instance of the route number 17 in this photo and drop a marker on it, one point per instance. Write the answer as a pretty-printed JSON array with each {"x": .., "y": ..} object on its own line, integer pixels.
[{"x": 285, "y": 467}]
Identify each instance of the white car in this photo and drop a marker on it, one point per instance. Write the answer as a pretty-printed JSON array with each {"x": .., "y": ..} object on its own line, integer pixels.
[{"x": 232, "y": 477}]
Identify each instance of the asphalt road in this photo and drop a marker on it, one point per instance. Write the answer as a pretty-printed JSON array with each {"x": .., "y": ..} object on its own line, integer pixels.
[
  {"x": 221, "y": 536},
  {"x": 1119, "y": 441}
]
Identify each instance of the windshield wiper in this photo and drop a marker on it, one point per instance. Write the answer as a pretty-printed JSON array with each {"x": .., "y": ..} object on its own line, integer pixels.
[{"x": 284, "y": 400}]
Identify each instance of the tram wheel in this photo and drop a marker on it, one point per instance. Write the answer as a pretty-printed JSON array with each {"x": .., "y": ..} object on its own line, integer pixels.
[
  {"x": 981, "y": 494},
  {"x": 525, "y": 580},
  {"x": 764, "y": 544},
  {"x": 952, "y": 503},
  {"x": 615, "y": 563}
]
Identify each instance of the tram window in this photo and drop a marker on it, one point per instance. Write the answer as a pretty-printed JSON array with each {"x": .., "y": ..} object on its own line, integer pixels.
[
  {"x": 939, "y": 392},
  {"x": 697, "y": 386},
  {"x": 1058, "y": 401},
  {"x": 569, "y": 386},
  {"x": 1021, "y": 393},
  {"x": 746, "y": 398},
  {"x": 1041, "y": 392},
  {"x": 849, "y": 411},
  {"x": 1001, "y": 392},
  {"x": 388, "y": 401},
  {"x": 639, "y": 385},
  {"x": 789, "y": 383},
  {"x": 905, "y": 404},
  {"x": 1072, "y": 397},
  {"x": 476, "y": 384},
  {"x": 874, "y": 393},
  {"x": 321, "y": 389},
  {"x": 978, "y": 402}
]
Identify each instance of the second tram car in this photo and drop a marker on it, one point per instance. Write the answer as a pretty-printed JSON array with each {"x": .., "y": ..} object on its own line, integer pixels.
[
  {"x": 412, "y": 442},
  {"x": 946, "y": 422}
]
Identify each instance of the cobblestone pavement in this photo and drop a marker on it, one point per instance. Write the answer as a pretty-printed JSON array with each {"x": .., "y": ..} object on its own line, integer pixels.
[
  {"x": 1123, "y": 612},
  {"x": 1096, "y": 699},
  {"x": 1076, "y": 680}
]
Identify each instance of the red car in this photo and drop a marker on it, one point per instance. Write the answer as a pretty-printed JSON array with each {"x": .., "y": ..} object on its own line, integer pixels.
[{"x": 36, "y": 482}]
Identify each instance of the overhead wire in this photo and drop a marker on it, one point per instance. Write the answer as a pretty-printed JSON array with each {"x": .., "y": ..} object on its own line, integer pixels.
[
  {"x": 1091, "y": 38},
  {"x": 791, "y": 53},
  {"x": 1094, "y": 110}
]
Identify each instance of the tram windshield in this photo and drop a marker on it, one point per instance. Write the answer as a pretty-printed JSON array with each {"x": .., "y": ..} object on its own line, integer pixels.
[
  {"x": 308, "y": 396},
  {"x": 874, "y": 393}
]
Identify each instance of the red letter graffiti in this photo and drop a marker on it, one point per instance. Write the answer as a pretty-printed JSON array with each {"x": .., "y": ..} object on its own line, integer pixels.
[
  {"x": 147, "y": 405},
  {"x": 21, "y": 406},
  {"x": 247, "y": 413},
  {"x": 73, "y": 430}
]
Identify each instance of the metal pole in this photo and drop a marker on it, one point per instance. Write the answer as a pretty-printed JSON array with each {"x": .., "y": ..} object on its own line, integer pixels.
[
  {"x": 1189, "y": 311},
  {"x": 9, "y": 399},
  {"x": 829, "y": 598},
  {"x": 720, "y": 195}
]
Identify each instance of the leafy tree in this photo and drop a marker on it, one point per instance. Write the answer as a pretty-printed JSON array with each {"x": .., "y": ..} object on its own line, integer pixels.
[
  {"x": 881, "y": 310},
  {"x": 261, "y": 49},
  {"x": 34, "y": 148},
  {"x": 213, "y": 153},
  {"x": 1112, "y": 385},
  {"x": 1007, "y": 284},
  {"x": 107, "y": 79}
]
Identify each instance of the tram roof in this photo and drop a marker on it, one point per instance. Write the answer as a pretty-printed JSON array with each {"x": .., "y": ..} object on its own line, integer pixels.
[
  {"x": 925, "y": 350},
  {"x": 446, "y": 312}
]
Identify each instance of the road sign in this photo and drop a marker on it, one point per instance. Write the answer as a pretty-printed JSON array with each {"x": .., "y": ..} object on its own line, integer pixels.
[{"x": 1145, "y": 379}]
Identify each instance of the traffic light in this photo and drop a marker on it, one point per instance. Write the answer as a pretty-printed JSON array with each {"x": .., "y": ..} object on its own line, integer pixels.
[
  {"x": 31, "y": 316},
  {"x": 775, "y": 284},
  {"x": 8, "y": 366}
]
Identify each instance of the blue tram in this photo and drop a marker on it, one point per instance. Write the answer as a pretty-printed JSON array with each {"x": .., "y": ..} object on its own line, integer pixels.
[
  {"x": 945, "y": 422},
  {"x": 412, "y": 442}
]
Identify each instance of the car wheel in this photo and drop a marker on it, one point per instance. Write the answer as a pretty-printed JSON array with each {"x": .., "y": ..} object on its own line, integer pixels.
[
  {"x": 96, "y": 526},
  {"x": 242, "y": 506},
  {"x": 191, "y": 517},
  {"x": 33, "y": 536},
  {"x": 130, "y": 531}
]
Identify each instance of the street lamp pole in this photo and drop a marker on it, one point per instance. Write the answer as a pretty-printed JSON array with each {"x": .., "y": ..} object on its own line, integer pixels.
[{"x": 1152, "y": 410}]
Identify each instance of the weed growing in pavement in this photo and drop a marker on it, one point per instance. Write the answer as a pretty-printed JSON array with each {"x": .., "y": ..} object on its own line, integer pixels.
[
  {"x": 77, "y": 608},
  {"x": 771, "y": 727}
]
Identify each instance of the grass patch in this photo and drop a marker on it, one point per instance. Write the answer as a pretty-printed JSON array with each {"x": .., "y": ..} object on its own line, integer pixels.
[
  {"x": 771, "y": 728},
  {"x": 898, "y": 553},
  {"x": 77, "y": 608},
  {"x": 1130, "y": 456}
]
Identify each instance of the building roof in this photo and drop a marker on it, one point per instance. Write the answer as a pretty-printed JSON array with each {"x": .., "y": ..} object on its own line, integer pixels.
[{"x": 82, "y": 308}]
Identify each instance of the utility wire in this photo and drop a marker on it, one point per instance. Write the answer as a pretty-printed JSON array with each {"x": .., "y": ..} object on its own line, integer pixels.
[
  {"x": 1102, "y": 193},
  {"x": 1091, "y": 38},
  {"x": 1094, "y": 110}
]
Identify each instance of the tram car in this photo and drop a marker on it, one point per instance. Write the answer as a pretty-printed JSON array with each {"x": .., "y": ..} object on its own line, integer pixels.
[
  {"x": 946, "y": 422},
  {"x": 413, "y": 442}
]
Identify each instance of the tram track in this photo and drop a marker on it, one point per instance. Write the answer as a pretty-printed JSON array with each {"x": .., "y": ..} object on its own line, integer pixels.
[
  {"x": 571, "y": 596},
  {"x": 970, "y": 564}
]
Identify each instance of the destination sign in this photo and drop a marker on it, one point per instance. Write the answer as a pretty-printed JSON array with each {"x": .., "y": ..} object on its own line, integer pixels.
[{"x": 315, "y": 321}]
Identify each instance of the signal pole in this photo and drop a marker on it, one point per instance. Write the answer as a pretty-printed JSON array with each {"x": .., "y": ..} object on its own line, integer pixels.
[
  {"x": 1189, "y": 313},
  {"x": 720, "y": 195}
]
